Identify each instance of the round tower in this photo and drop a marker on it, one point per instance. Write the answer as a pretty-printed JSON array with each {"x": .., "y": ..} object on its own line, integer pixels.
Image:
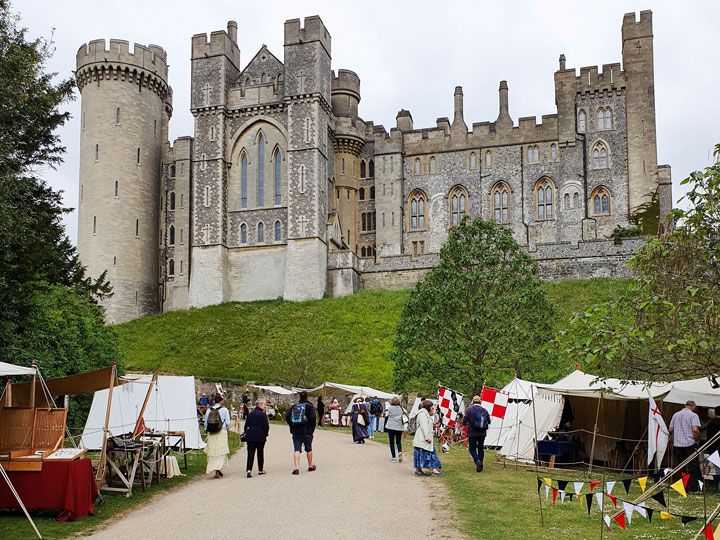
[{"x": 126, "y": 106}]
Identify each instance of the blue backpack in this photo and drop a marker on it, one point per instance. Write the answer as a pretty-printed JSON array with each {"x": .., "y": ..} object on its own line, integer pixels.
[
  {"x": 480, "y": 419},
  {"x": 297, "y": 415}
]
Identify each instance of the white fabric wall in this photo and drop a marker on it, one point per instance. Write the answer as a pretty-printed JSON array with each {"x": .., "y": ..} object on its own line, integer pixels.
[{"x": 520, "y": 443}]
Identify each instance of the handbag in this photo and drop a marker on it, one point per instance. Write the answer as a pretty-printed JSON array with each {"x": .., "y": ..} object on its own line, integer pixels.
[{"x": 361, "y": 420}]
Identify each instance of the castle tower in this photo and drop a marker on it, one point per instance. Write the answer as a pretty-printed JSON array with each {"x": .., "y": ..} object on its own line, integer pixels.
[
  {"x": 308, "y": 80},
  {"x": 126, "y": 105},
  {"x": 348, "y": 144}
]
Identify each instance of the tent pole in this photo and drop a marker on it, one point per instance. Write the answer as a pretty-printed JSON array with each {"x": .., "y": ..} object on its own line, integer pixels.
[
  {"x": 142, "y": 410},
  {"x": 103, "y": 453},
  {"x": 713, "y": 515},
  {"x": 592, "y": 450},
  {"x": 22, "y": 505},
  {"x": 32, "y": 386},
  {"x": 537, "y": 461}
]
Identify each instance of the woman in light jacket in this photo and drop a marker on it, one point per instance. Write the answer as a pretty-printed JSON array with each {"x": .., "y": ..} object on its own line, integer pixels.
[
  {"x": 395, "y": 426},
  {"x": 425, "y": 456}
]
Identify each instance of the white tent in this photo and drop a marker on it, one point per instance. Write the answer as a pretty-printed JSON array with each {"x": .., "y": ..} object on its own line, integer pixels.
[
  {"x": 335, "y": 389},
  {"x": 171, "y": 407},
  {"x": 520, "y": 397},
  {"x": 700, "y": 391},
  {"x": 9, "y": 370},
  {"x": 272, "y": 388}
]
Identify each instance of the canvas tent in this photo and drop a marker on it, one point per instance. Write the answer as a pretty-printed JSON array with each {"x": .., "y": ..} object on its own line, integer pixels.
[
  {"x": 620, "y": 409},
  {"x": 700, "y": 391},
  {"x": 520, "y": 397},
  {"x": 331, "y": 389},
  {"x": 171, "y": 407},
  {"x": 272, "y": 388}
]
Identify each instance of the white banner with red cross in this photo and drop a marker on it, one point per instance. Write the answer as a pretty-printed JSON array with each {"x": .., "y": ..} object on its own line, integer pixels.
[
  {"x": 449, "y": 405},
  {"x": 494, "y": 401}
]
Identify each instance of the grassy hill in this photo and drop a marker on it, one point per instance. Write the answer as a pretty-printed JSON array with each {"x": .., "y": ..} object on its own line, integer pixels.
[{"x": 346, "y": 339}]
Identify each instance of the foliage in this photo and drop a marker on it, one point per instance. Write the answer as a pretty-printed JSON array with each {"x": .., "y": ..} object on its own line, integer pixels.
[
  {"x": 478, "y": 315},
  {"x": 620, "y": 232},
  {"x": 646, "y": 217},
  {"x": 668, "y": 325}
]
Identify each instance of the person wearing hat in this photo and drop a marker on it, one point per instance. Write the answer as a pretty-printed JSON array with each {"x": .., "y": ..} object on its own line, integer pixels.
[
  {"x": 360, "y": 420},
  {"x": 475, "y": 417},
  {"x": 204, "y": 401}
]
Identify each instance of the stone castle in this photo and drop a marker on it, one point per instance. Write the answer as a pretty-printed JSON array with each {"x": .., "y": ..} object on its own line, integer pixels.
[{"x": 285, "y": 192}]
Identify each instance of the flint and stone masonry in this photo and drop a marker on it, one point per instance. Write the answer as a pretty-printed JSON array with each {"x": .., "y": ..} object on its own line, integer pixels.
[{"x": 284, "y": 191}]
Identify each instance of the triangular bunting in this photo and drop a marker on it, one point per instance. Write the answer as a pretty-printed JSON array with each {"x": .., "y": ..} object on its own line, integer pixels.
[
  {"x": 593, "y": 484},
  {"x": 628, "y": 507},
  {"x": 707, "y": 532},
  {"x": 665, "y": 515},
  {"x": 539, "y": 484},
  {"x": 714, "y": 458},
  {"x": 640, "y": 509},
  {"x": 589, "y": 498},
  {"x": 606, "y": 519},
  {"x": 598, "y": 498},
  {"x": 666, "y": 472},
  {"x": 643, "y": 482},
  {"x": 571, "y": 495},
  {"x": 685, "y": 478},
  {"x": 679, "y": 487},
  {"x": 609, "y": 486},
  {"x": 700, "y": 485},
  {"x": 620, "y": 518},
  {"x": 649, "y": 514},
  {"x": 548, "y": 481},
  {"x": 554, "y": 495},
  {"x": 612, "y": 498},
  {"x": 547, "y": 492},
  {"x": 687, "y": 519},
  {"x": 562, "y": 496},
  {"x": 659, "y": 497},
  {"x": 626, "y": 485},
  {"x": 578, "y": 486},
  {"x": 562, "y": 484}
]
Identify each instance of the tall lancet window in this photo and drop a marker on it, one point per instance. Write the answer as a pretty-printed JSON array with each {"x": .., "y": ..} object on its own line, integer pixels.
[
  {"x": 261, "y": 172},
  {"x": 243, "y": 187},
  {"x": 278, "y": 183}
]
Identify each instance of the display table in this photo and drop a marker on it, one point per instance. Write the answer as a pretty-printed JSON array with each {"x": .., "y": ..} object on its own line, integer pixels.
[
  {"x": 555, "y": 449},
  {"x": 66, "y": 485}
]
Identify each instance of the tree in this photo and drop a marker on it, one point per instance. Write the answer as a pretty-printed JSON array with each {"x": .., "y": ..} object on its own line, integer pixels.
[
  {"x": 668, "y": 325},
  {"x": 38, "y": 264},
  {"x": 478, "y": 316}
]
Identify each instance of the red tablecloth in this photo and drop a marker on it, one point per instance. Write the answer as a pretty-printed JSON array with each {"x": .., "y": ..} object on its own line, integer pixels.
[{"x": 66, "y": 485}]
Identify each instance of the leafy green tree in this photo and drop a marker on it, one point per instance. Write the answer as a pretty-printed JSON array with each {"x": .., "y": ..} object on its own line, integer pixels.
[
  {"x": 668, "y": 325},
  {"x": 477, "y": 317},
  {"x": 41, "y": 280}
]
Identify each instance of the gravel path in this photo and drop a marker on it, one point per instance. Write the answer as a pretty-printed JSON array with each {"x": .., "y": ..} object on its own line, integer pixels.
[{"x": 355, "y": 493}]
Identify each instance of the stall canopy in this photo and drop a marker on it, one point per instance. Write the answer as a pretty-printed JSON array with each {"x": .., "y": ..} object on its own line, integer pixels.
[
  {"x": 621, "y": 418},
  {"x": 520, "y": 397},
  {"x": 700, "y": 391},
  {"x": 9, "y": 370},
  {"x": 335, "y": 389},
  {"x": 271, "y": 388},
  {"x": 171, "y": 407}
]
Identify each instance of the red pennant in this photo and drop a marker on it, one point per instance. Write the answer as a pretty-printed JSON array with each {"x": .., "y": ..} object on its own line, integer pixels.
[
  {"x": 593, "y": 484},
  {"x": 685, "y": 478},
  {"x": 620, "y": 518},
  {"x": 554, "y": 495},
  {"x": 707, "y": 532},
  {"x": 614, "y": 500}
]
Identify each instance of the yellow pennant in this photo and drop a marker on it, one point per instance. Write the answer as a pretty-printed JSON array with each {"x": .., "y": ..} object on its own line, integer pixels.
[
  {"x": 642, "y": 481},
  {"x": 665, "y": 515},
  {"x": 548, "y": 481},
  {"x": 580, "y": 498},
  {"x": 679, "y": 487}
]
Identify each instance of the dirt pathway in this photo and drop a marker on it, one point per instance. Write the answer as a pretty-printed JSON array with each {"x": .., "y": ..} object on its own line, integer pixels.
[{"x": 355, "y": 493}]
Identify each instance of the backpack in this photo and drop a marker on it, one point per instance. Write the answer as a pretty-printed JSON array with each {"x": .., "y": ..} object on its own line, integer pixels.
[
  {"x": 297, "y": 415},
  {"x": 411, "y": 426},
  {"x": 480, "y": 420},
  {"x": 375, "y": 407},
  {"x": 214, "y": 422}
]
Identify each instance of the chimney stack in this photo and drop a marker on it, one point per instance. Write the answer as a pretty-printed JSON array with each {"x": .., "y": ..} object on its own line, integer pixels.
[
  {"x": 232, "y": 31},
  {"x": 503, "y": 119},
  {"x": 562, "y": 62},
  {"x": 458, "y": 121}
]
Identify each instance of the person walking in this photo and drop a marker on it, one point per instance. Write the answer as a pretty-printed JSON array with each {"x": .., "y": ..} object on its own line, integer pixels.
[
  {"x": 376, "y": 410},
  {"x": 477, "y": 419},
  {"x": 301, "y": 418},
  {"x": 685, "y": 430},
  {"x": 257, "y": 429},
  {"x": 320, "y": 411},
  {"x": 394, "y": 426},
  {"x": 424, "y": 454},
  {"x": 217, "y": 421},
  {"x": 360, "y": 420}
]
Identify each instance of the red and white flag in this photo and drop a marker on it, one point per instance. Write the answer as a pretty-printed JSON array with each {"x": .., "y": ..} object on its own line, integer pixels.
[
  {"x": 449, "y": 404},
  {"x": 658, "y": 434},
  {"x": 494, "y": 401}
]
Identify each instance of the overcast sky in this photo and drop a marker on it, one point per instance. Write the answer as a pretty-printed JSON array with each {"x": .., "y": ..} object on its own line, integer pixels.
[{"x": 412, "y": 54}]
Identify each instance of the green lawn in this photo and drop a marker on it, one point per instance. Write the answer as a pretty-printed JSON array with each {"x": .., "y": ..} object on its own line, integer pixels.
[
  {"x": 14, "y": 525},
  {"x": 349, "y": 339}
]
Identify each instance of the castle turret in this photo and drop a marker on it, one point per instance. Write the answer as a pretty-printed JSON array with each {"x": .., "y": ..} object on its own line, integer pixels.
[{"x": 126, "y": 105}]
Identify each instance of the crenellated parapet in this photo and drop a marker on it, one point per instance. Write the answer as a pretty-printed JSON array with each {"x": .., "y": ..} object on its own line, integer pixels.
[{"x": 145, "y": 67}]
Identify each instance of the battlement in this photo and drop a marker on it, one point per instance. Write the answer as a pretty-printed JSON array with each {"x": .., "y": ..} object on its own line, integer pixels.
[
  {"x": 591, "y": 79},
  {"x": 634, "y": 29},
  {"x": 220, "y": 44},
  {"x": 151, "y": 58},
  {"x": 313, "y": 30},
  {"x": 346, "y": 82}
]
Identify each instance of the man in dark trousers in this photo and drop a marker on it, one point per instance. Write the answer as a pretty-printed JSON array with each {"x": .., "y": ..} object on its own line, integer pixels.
[
  {"x": 320, "y": 411},
  {"x": 685, "y": 430},
  {"x": 301, "y": 418},
  {"x": 475, "y": 418}
]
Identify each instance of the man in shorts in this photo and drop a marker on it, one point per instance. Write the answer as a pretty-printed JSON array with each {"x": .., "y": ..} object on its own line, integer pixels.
[{"x": 302, "y": 418}]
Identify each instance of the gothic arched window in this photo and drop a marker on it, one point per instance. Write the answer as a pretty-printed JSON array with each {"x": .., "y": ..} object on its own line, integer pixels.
[
  {"x": 372, "y": 193},
  {"x": 458, "y": 204},
  {"x": 171, "y": 234},
  {"x": 417, "y": 165},
  {"x": 278, "y": 177},
  {"x": 278, "y": 231},
  {"x": 243, "y": 234},
  {"x": 582, "y": 120},
  {"x": 371, "y": 169},
  {"x": 417, "y": 201},
  {"x": 171, "y": 267},
  {"x": 261, "y": 171},
  {"x": 600, "y": 156},
  {"x": 263, "y": 78},
  {"x": 362, "y": 169},
  {"x": 473, "y": 160},
  {"x": 243, "y": 182},
  {"x": 500, "y": 196},
  {"x": 432, "y": 165},
  {"x": 544, "y": 198},
  {"x": 261, "y": 232},
  {"x": 172, "y": 200},
  {"x": 600, "y": 201},
  {"x": 362, "y": 194}
]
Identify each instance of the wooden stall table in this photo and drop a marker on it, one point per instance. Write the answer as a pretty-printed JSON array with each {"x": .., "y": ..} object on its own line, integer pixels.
[
  {"x": 124, "y": 463},
  {"x": 165, "y": 438},
  {"x": 66, "y": 485}
]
